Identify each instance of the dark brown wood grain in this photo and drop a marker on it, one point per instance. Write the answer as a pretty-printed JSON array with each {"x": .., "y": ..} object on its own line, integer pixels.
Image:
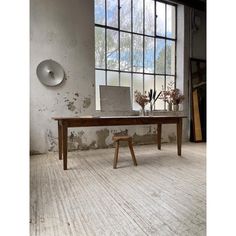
[
  {"x": 64, "y": 145},
  {"x": 116, "y": 155},
  {"x": 179, "y": 136},
  {"x": 159, "y": 136},
  {"x": 68, "y": 122},
  {"x": 117, "y": 140},
  {"x": 60, "y": 140},
  {"x": 132, "y": 152}
]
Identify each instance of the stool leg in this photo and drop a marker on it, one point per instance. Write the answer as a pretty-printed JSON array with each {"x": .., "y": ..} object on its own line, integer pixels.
[
  {"x": 116, "y": 155},
  {"x": 132, "y": 152}
]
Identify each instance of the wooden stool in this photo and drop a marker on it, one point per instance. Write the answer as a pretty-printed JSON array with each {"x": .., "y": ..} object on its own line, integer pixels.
[{"x": 117, "y": 139}]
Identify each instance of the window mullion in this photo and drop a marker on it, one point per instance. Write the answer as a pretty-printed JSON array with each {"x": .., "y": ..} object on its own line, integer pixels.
[
  {"x": 106, "y": 42},
  {"x": 132, "y": 45},
  {"x": 165, "y": 53},
  {"x": 143, "y": 41},
  {"x": 119, "y": 37},
  {"x": 155, "y": 32},
  {"x": 175, "y": 45},
  {"x": 136, "y": 33}
]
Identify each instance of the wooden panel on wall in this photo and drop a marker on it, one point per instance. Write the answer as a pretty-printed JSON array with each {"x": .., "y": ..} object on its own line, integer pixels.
[
  {"x": 196, "y": 116},
  {"x": 198, "y": 96}
]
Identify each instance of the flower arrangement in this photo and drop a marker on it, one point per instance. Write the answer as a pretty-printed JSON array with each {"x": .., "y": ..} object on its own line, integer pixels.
[
  {"x": 141, "y": 99},
  {"x": 172, "y": 96}
]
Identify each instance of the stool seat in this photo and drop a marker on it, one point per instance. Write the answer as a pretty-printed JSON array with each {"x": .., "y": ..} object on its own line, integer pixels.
[
  {"x": 122, "y": 138},
  {"x": 117, "y": 140}
]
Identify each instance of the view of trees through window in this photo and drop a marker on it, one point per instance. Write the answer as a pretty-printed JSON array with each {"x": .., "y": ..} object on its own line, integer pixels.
[{"x": 135, "y": 46}]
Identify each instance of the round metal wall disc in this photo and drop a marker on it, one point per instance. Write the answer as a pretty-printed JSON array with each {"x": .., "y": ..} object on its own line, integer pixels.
[{"x": 50, "y": 73}]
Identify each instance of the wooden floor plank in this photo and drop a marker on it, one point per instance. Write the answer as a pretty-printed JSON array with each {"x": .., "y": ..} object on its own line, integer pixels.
[{"x": 164, "y": 195}]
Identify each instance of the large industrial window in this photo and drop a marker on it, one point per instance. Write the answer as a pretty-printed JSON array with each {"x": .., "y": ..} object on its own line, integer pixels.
[{"x": 135, "y": 46}]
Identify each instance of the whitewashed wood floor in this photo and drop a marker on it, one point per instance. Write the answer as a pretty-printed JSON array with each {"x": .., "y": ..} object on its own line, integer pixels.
[{"x": 164, "y": 195}]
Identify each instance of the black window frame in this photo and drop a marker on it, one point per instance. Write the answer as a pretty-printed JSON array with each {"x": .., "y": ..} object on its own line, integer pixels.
[{"x": 155, "y": 37}]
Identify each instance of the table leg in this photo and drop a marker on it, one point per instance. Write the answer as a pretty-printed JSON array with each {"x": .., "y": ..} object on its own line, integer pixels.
[
  {"x": 179, "y": 135},
  {"x": 64, "y": 131},
  {"x": 159, "y": 136},
  {"x": 60, "y": 140}
]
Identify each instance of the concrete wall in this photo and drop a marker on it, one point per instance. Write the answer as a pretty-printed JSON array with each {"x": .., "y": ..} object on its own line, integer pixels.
[
  {"x": 63, "y": 30},
  {"x": 198, "y": 34}
]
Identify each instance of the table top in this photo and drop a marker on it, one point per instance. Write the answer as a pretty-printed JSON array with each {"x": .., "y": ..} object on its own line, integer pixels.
[
  {"x": 119, "y": 117},
  {"x": 117, "y": 120}
]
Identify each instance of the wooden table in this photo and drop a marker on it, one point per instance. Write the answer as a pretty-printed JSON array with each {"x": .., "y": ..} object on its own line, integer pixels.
[{"x": 67, "y": 122}]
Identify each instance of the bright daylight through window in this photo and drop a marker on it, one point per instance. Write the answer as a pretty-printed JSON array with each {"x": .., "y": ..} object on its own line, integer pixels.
[{"x": 135, "y": 46}]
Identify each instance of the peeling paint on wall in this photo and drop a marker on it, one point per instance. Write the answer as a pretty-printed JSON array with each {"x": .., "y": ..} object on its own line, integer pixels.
[
  {"x": 101, "y": 138},
  {"x": 41, "y": 110},
  {"x": 75, "y": 142},
  {"x": 51, "y": 141},
  {"x": 148, "y": 138},
  {"x": 34, "y": 152},
  {"x": 75, "y": 58},
  {"x": 121, "y": 133},
  {"x": 71, "y": 106},
  {"x": 71, "y": 100},
  {"x": 172, "y": 137},
  {"x": 86, "y": 102},
  {"x": 93, "y": 145}
]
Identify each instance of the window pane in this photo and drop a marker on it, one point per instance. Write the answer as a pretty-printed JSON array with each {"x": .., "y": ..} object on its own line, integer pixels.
[
  {"x": 148, "y": 83},
  {"x": 160, "y": 86},
  {"x": 170, "y": 21},
  {"x": 160, "y": 56},
  {"x": 99, "y": 47},
  {"x": 100, "y": 80},
  {"x": 125, "y": 15},
  {"x": 112, "y": 50},
  {"x": 100, "y": 12},
  {"x": 160, "y": 20},
  {"x": 137, "y": 85},
  {"x": 125, "y": 79},
  {"x": 170, "y": 82},
  {"x": 149, "y": 17},
  {"x": 125, "y": 51},
  {"x": 112, "y": 13},
  {"x": 170, "y": 57},
  {"x": 137, "y": 53},
  {"x": 113, "y": 78},
  {"x": 149, "y": 55},
  {"x": 138, "y": 16}
]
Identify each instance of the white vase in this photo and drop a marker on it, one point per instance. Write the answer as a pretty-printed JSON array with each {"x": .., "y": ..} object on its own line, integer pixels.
[
  {"x": 169, "y": 106},
  {"x": 142, "y": 112},
  {"x": 151, "y": 109},
  {"x": 175, "y": 107}
]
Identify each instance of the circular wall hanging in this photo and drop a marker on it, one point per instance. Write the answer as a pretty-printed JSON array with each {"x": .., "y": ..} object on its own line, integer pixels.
[{"x": 50, "y": 73}]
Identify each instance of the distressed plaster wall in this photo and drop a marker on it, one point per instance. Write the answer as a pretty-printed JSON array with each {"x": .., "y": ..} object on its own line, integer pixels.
[{"x": 63, "y": 30}]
